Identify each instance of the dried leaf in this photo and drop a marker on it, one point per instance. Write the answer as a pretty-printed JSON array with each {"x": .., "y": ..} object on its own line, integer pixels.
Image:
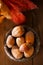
[{"x": 5, "y": 11}]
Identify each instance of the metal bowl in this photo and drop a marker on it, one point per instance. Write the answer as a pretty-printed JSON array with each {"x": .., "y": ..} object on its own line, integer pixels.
[{"x": 36, "y": 45}]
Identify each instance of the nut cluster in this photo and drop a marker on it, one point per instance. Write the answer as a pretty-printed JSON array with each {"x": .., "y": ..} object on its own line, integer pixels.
[{"x": 21, "y": 46}]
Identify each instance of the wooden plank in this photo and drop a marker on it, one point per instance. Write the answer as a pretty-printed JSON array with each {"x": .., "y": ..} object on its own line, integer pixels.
[{"x": 38, "y": 60}]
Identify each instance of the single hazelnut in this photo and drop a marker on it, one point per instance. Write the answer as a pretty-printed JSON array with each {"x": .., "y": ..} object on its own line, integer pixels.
[
  {"x": 17, "y": 31},
  {"x": 29, "y": 37},
  {"x": 23, "y": 47},
  {"x": 29, "y": 53},
  {"x": 10, "y": 41},
  {"x": 20, "y": 41},
  {"x": 16, "y": 53}
]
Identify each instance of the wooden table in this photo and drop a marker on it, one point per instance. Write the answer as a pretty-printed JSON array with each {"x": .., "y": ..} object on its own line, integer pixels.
[{"x": 38, "y": 27}]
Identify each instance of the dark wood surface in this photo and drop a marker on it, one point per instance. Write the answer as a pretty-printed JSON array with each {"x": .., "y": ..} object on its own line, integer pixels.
[{"x": 37, "y": 25}]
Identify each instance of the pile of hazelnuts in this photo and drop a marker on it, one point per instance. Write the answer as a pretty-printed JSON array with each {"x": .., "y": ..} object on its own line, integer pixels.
[{"x": 20, "y": 42}]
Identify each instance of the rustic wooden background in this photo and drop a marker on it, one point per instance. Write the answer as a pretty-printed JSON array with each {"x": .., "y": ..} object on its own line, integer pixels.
[{"x": 37, "y": 25}]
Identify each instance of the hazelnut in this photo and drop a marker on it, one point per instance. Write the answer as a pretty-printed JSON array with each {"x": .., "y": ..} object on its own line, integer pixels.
[
  {"x": 29, "y": 53},
  {"x": 29, "y": 37},
  {"x": 23, "y": 47},
  {"x": 16, "y": 53},
  {"x": 10, "y": 41},
  {"x": 20, "y": 41},
  {"x": 17, "y": 31}
]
